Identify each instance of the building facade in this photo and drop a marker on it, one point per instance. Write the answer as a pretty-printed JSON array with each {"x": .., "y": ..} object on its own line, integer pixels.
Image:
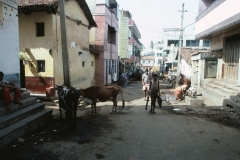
[
  {"x": 129, "y": 44},
  {"x": 41, "y": 46},
  {"x": 224, "y": 34},
  {"x": 105, "y": 37},
  {"x": 9, "y": 41},
  {"x": 171, "y": 46},
  {"x": 147, "y": 61}
]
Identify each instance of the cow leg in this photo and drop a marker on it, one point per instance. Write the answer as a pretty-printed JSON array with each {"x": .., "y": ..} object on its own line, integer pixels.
[
  {"x": 115, "y": 104},
  {"x": 95, "y": 107},
  {"x": 92, "y": 109}
]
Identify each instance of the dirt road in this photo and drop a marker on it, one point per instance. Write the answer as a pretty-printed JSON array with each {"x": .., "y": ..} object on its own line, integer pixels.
[{"x": 130, "y": 133}]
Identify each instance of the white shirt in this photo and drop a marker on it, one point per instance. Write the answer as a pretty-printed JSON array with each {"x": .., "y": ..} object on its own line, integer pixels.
[{"x": 4, "y": 82}]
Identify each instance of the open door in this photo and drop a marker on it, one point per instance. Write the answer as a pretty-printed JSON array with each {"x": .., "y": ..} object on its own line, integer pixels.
[{"x": 22, "y": 75}]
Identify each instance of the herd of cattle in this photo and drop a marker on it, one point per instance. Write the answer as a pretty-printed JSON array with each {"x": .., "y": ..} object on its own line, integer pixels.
[{"x": 68, "y": 98}]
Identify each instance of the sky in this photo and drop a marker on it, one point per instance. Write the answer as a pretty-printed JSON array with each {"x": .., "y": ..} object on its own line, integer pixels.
[{"x": 151, "y": 16}]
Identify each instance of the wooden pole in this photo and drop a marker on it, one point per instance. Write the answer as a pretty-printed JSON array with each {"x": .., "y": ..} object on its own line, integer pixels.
[{"x": 65, "y": 58}]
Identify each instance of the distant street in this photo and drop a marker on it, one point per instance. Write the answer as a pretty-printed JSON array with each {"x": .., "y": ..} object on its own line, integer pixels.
[{"x": 131, "y": 133}]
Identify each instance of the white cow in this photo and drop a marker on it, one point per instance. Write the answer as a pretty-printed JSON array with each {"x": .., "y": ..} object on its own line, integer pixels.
[{"x": 192, "y": 92}]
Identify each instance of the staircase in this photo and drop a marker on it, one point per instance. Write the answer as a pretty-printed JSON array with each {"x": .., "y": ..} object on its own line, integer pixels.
[
  {"x": 219, "y": 91},
  {"x": 21, "y": 119}
]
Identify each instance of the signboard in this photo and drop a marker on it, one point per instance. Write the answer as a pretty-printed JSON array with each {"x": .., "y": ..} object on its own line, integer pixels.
[
  {"x": 1, "y": 14},
  {"x": 171, "y": 29},
  {"x": 216, "y": 54}
]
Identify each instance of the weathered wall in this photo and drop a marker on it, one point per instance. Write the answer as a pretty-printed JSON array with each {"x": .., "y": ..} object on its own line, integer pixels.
[
  {"x": 185, "y": 69},
  {"x": 99, "y": 36},
  {"x": 37, "y": 48},
  {"x": 81, "y": 76},
  {"x": 9, "y": 41}
]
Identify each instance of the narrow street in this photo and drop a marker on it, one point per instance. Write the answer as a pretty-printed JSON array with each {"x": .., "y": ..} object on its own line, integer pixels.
[{"x": 131, "y": 133}]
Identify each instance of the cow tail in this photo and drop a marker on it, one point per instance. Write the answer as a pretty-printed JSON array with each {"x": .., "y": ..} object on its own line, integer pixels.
[{"x": 123, "y": 102}]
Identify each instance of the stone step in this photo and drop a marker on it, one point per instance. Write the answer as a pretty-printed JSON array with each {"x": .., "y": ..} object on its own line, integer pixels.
[
  {"x": 227, "y": 84},
  {"x": 9, "y": 119},
  {"x": 222, "y": 88},
  {"x": 213, "y": 96},
  {"x": 24, "y": 95},
  {"x": 26, "y": 102},
  {"x": 24, "y": 126},
  {"x": 224, "y": 94}
]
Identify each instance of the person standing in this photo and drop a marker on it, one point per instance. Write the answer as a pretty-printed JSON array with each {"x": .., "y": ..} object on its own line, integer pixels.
[
  {"x": 180, "y": 80},
  {"x": 145, "y": 83},
  {"x": 154, "y": 91},
  {"x": 6, "y": 88}
]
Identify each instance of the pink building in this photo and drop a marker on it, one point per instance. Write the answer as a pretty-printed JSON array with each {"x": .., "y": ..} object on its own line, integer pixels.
[{"x": 105, "y": 37}]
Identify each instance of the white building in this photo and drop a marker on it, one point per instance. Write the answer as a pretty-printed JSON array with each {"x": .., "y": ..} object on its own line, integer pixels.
[
  {"x": 171, "y": 46},
  {"x": 9, "y": 41},
  {"x": 147, "y": 61},
  {"x": 158, "y": 50}
]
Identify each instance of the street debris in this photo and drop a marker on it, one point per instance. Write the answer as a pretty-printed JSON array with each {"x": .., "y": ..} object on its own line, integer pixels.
[
  {"x": 21, "y": 140},
  {"x": 176, "y": 109}
]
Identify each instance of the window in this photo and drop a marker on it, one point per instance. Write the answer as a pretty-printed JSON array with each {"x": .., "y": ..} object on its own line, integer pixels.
[
  {"x": 40, "y": 29},
  {"x": 143, "y": 61},
  {"x": 175, "y": 42},
  {"x": 92, "y": 63},
  {"x": 159, "y": 61},
  {"x": 192, "y": 43},
  {"x": 148, "y": 61},
  {"x": 111, "y": 35},
  {"x": 41, "y": 65},
  {"x": 83, "y": 63},
  {"x": 159, "y": 54},
  {"x": 206, "y": 43}
]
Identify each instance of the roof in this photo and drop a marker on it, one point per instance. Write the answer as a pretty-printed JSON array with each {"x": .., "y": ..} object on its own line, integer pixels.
[
  {"x": 148, "y": 57},
  {"x": 51, "y": 6},
  {"x": 28, "y": 3},
  {"x": 187, "y": 53}
]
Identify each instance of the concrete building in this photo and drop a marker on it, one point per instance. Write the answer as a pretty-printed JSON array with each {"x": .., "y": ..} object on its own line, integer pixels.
[
  {"x": 159, "y": 55},
  {"x": 224, "y": 34},
  {"x": 40, "y": 44},
  {"x": 9, "y": 41},
  {"x": 218, "y": 21},
  {"x": 147, "y": 61},
  {"x": 171, "y": 46},
  {"x": 129, "y": 45},
  {"x": 105, "y": 37}
]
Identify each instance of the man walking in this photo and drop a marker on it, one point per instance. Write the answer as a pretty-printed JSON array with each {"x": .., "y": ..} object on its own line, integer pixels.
[{"x": 145, "y": 83}]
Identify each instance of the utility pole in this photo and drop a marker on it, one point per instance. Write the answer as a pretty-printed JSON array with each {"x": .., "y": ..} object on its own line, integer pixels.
[
  {"x": 134, "y": 50},
  {"x": 65, "y": 58},
  {"x": 180, "y": 41}
]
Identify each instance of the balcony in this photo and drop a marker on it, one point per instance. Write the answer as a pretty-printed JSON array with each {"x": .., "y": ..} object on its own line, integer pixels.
[
  {"x": 220, "y": 15},
  {"x": 134, "y": 29}
]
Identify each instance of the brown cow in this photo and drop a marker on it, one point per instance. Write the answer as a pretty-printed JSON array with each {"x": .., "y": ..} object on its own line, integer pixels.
[{"x": 103, "y": 94}]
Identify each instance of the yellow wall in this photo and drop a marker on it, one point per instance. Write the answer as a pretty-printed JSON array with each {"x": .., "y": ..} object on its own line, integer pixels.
[
  {"x": 36, "y": 48},
  {"x": 80, "y": 77}
]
